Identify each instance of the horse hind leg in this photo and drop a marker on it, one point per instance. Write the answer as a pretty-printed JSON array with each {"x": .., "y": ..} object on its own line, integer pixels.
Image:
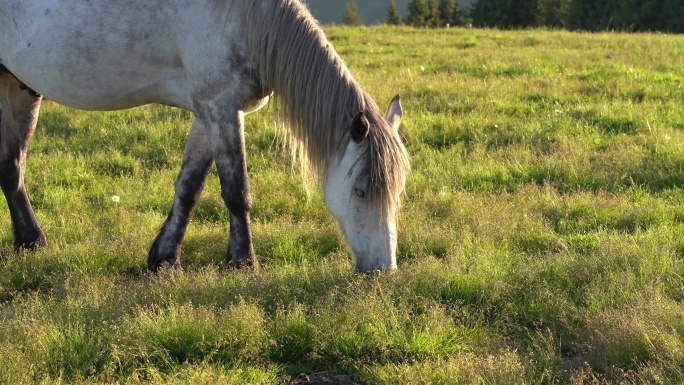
[
  {"x": 166, "y": 249},
  {"x": 18, "y": 119}
]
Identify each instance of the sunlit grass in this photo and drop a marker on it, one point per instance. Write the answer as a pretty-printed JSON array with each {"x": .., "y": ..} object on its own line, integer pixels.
[{"x": 540, "y": 239}]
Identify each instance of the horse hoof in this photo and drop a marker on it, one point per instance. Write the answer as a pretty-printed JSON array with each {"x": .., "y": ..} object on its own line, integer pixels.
[
  {"x": 165, "y": 266},
  {"x": 156, "y": 264},
  {"x": 248, "y": 263},
  {"x": 169, "y": 266},
  {"x": 30, "y": 245},
  {"x": 158, "y": 260}
]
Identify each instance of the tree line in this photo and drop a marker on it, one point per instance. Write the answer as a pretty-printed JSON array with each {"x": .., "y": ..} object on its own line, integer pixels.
[
  {"x": 422, "y": 13},
  {"x": 588, "y": 15}
]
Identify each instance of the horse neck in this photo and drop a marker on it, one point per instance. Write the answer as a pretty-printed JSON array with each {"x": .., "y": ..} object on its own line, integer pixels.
[{"x": 317, "y": 92}]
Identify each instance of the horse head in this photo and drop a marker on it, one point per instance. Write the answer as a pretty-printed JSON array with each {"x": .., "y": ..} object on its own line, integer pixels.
[{"x": 364, "y": 188}]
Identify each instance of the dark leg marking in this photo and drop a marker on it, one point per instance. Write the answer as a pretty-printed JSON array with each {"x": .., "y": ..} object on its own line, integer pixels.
[
  {"x": 27, "y": 233},
  {"x": 225, "y": 128},
  {"x": 166, "y": 249},
  {"x": 17, "y": 125}
]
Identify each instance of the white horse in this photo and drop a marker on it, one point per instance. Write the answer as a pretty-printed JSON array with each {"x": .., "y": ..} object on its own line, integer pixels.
[{"x": 220, "y": 59}]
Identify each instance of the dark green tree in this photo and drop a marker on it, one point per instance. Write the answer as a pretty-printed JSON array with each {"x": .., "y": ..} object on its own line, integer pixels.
[
  {"x": 674, "y": 11},
  {"x": 419, "y": 13},
  {"x": 606, "y": 12},
  {"x": 458, "y": 17},
  {"x": 393, "y": 15},
  {"x": 552, "y": 13},
  {"x": 351, "y": 14},
  {"x": 482, "y": 13},
  {"x": 446, "y": 9},
  {"x": 589, "y": 15},
  {"x": 467, "y": 14},
  {"x": 449, "y": 12},
  {"x": 578, "y": 14},
  {"x": 641, "y": 15},
  {"x": 626, "y": 15},
  {"x": 505, "y": 13},
  {"x": 435, "y": 20}
]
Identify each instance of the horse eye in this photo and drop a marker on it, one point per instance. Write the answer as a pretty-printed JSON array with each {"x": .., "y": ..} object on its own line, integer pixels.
[{"x": 360, "y": 193}]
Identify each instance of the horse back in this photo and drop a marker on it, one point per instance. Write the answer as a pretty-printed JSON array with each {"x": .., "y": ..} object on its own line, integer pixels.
[{"x": 112, "y": 54}]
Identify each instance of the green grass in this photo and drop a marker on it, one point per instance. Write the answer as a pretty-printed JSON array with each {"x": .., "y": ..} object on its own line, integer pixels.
[{"x": 541, "y": 238}]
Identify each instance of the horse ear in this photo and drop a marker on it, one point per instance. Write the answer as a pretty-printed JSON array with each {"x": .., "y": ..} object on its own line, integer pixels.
[
  {"x": 394, "y": 113},
  {"x": 360, "y": 127}
]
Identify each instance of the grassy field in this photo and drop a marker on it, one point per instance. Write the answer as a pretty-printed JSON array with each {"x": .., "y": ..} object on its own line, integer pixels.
[{"x": 541, "y": 240}]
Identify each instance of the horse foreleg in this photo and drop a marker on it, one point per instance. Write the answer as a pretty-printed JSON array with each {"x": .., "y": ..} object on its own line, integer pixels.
[
  {"x": 225, "y": 127},
  {"x": 166, "y": 249},
  {"x": 18, "y": 120}
]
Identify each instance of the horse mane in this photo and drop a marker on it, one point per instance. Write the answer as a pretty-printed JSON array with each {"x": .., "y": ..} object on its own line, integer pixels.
[{"x": 318, "y": 96}]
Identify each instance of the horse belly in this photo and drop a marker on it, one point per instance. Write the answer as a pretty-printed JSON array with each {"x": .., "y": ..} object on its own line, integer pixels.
[
  {"x": 103, "y": 89},
  {"x": 107, "y": 83}
]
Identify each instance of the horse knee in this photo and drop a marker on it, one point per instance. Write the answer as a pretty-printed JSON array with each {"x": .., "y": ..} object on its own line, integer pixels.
[
  {"x": 238, "y": 199},
  {"x": 10, "y": 172}
]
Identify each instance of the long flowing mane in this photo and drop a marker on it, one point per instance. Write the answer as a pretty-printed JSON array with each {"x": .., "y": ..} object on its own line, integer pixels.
[{"x": 318, "y": 94}]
